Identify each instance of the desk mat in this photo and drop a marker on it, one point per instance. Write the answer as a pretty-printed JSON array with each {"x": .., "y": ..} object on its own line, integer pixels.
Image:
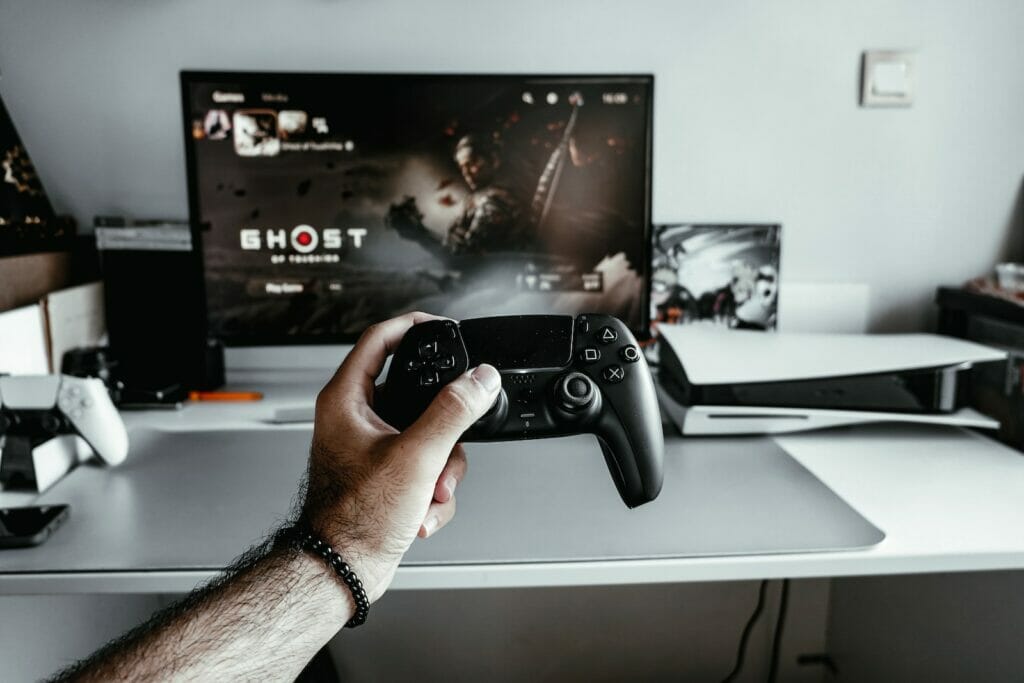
[{"x": 196, "y": 500}]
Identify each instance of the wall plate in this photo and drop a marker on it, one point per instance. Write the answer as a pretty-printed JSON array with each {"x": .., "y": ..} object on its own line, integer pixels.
[{"x": 887, "y": 78}]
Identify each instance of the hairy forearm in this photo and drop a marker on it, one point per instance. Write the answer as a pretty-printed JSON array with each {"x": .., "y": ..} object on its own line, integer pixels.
[{"x": 263, "y": 620}]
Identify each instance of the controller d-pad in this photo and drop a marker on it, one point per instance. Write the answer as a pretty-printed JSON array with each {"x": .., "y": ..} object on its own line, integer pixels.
[
  {"x": 445, "y": 362},
  {"x": 427, "y": 349},
  {"x": 413, "y": 365},
  {"x": 613, "y": 374},
  {"x": 428, "y": 377},
  {"x": 630, "y": 353}
]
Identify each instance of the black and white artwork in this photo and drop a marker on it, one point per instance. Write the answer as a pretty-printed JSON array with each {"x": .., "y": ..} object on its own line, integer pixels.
[{"x": 721, "y": 274}]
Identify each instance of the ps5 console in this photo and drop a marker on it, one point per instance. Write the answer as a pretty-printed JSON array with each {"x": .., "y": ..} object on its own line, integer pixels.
[
  {"x": 41, "y": 418},
  {"x": 560, "y": 376},
  {"x": 716, "y": 381}
]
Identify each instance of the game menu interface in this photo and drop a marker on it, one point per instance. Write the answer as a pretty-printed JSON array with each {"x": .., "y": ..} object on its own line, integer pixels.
[{"x": 326, "y": 202}]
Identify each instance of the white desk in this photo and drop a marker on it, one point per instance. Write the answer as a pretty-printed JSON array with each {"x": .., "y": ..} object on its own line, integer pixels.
[{"x": 947, "y": 499}]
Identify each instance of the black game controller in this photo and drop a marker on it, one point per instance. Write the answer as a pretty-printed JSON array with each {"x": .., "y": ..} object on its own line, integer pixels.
[{"x": 559, "y": 377}]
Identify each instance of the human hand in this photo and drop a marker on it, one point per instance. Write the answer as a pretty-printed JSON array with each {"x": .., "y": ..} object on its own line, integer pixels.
[{"x": 370, "y": 489}]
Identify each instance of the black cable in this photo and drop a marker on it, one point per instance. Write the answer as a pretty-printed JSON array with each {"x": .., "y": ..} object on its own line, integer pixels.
[
  {"x": 741, "y": 652},
  {"x": 780, "y": 623}
]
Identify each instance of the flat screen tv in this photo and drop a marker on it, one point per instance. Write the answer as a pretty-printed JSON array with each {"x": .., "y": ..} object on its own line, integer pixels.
[{"x": 327, "y": 202}]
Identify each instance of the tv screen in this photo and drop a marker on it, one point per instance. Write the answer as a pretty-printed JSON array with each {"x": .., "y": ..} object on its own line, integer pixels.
[{"x": 328, "y": 202}]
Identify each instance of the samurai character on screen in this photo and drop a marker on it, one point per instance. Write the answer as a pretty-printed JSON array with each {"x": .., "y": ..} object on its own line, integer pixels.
[{"x": 490, "y": 219}]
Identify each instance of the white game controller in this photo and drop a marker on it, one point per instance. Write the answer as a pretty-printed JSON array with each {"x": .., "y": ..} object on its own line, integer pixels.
[{"x": 63, "y": 404}]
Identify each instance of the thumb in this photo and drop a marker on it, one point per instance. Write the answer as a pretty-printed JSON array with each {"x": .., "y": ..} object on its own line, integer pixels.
[{"x": 453, "y": 411}]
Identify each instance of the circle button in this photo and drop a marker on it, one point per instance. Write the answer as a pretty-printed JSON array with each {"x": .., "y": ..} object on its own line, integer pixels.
[{"x": 630, "y": 353}]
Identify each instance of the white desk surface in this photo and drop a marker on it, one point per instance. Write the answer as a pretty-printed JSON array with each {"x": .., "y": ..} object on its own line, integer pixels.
[{"x": 947, "y": 500}]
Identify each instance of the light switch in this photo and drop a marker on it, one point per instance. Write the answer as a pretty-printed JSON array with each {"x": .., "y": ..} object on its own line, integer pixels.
[{"x": 887, "y": 78}]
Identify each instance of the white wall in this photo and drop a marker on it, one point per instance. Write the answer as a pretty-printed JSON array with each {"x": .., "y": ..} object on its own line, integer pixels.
[{"x": 756, "y": 108}]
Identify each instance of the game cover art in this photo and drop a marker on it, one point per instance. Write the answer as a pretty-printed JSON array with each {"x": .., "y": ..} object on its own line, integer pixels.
[
  {"x": 716, "y": 274},
  {"x": 328, "y": 203}
]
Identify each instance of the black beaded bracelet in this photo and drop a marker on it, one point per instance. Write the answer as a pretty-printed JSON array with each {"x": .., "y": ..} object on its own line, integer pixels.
[{"x": 305, "y": 540}]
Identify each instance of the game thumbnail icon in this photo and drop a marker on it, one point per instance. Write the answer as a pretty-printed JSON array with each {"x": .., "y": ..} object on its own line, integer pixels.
[
  {"x": 216, "y": 124},
  {"x": 291, "y": 123},
  {"x": 256, "y": 133}
]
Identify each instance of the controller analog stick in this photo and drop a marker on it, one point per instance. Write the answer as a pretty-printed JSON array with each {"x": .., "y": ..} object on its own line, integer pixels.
[
  {"x": 575, "y": 391},
  {"x": 495, "y": 415},
  {"x": 50, "y": 424}
]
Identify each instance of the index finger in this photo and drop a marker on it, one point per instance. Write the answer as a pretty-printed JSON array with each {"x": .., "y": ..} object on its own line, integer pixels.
[{"x": 357, "y": 374}]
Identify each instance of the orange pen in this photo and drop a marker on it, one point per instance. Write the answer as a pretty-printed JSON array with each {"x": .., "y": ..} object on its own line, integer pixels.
[{"x": 225, "y": 396}]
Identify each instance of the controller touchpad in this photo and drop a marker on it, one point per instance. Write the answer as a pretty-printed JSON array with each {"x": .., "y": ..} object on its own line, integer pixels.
[{"x": 526, "y": 342}]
